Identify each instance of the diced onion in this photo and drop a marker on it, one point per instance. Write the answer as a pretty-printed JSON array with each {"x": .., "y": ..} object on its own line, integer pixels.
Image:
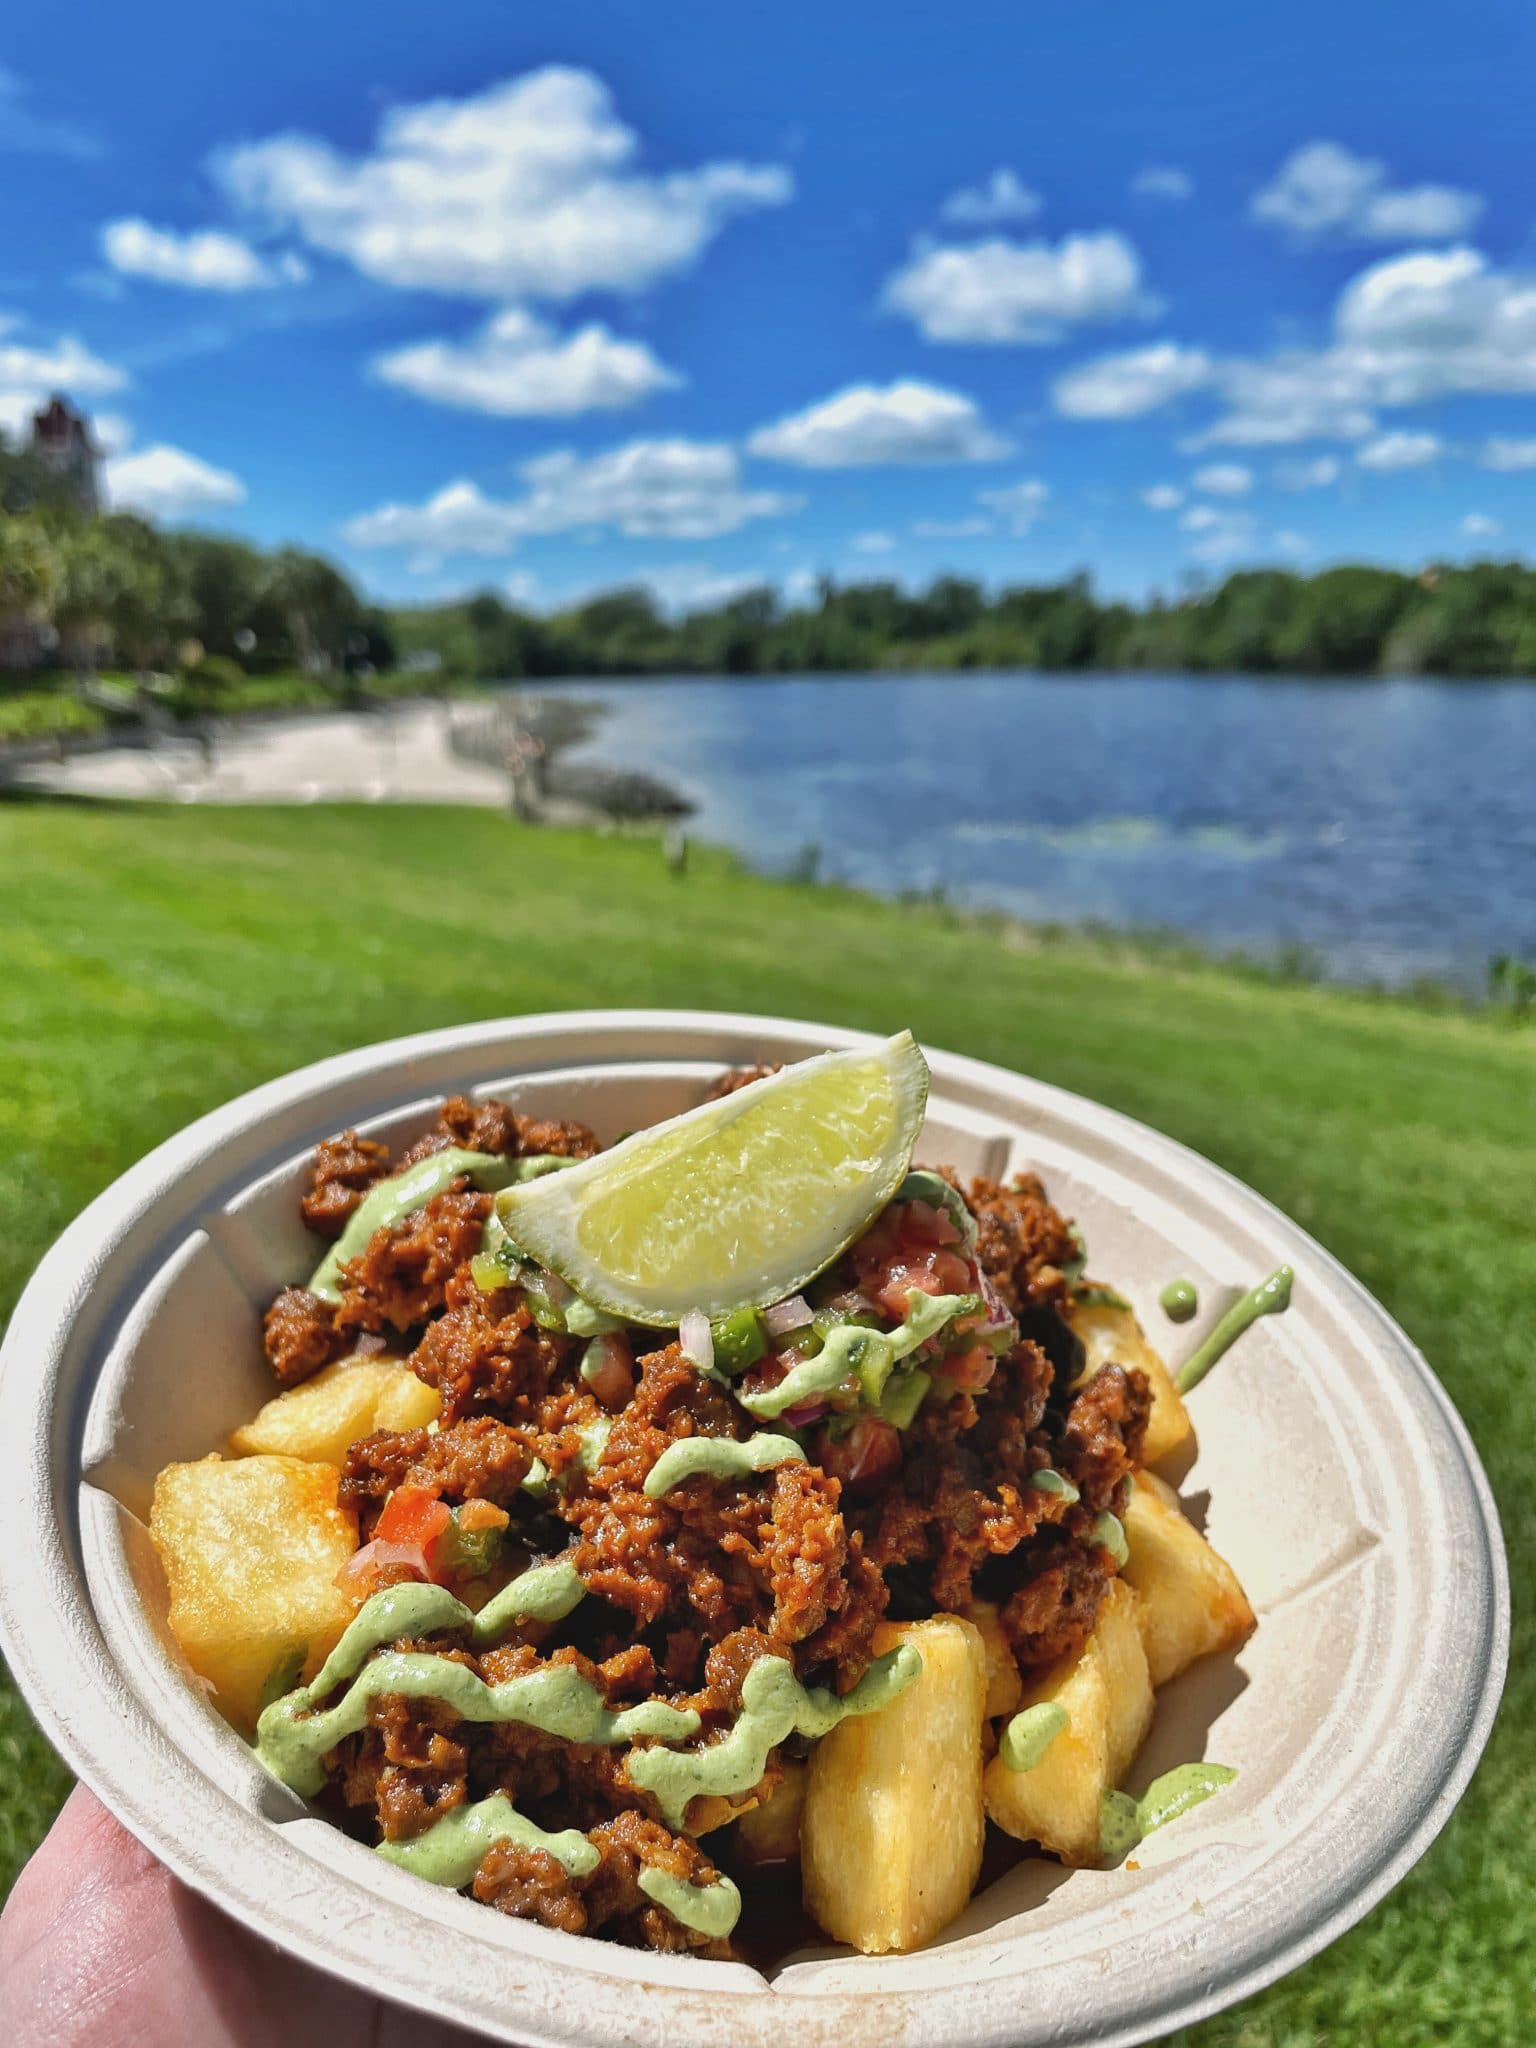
[
  {"x": 803, "y": 1414},
  {"x": 853, "y": 1302},
  {"x": 697, "y": 1339},
  {"x": 785, "y": 1316}
]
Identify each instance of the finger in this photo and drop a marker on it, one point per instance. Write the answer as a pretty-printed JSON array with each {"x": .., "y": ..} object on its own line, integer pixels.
[{"x": 99, "y": 1944}]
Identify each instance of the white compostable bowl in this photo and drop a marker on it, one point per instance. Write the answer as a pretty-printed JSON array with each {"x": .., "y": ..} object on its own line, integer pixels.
[{"x": 1333, "y": 1471}]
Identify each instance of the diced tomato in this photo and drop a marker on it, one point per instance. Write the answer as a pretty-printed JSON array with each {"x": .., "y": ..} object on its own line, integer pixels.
[
  {"x": 412, "y": 1515},
  {"x": 969, "y": 1370},
  {"x": 608, "y": 1367},
  {"x": 905, "y": 1252},
  {"x": 865, "y": 1457}
]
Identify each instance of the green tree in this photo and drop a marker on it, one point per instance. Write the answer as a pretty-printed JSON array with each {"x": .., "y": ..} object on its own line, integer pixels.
[{"x": 31, "y": 573}]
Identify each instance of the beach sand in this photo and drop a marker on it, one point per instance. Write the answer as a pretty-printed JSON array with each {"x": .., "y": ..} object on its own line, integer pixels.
[{"x": 397, "y": 755}]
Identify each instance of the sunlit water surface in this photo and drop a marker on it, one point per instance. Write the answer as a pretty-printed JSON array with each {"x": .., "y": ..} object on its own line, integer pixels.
[{"x": 1387, "y": 827}]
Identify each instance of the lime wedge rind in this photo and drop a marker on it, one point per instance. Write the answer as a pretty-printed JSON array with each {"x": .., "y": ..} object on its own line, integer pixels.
[{"x": 738, "y": 1202}]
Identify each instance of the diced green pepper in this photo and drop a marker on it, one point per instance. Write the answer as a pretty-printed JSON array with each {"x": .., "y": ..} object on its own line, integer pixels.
[
  {"x": 740, "y": 1340},
  {"x": 461, "y": 1553},
  {"x": 903, "y": 1397}
]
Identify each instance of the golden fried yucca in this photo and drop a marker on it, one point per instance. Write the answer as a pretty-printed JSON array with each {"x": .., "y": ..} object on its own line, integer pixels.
[
  {"x": 770, "y": 1833},
  {"x": 1107, "y": 1696},
  {"x": 1005, "y": 1688},
  {"x": 348, "y": 1400},
  {"x": 1113, "y": 1336},
  {"x": 892, "y": 1834},
  {"x": 1189, "y": 1602},
  {"x": 251, "y": 1549}
]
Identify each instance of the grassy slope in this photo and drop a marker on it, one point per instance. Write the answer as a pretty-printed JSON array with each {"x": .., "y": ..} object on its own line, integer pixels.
[{"x": 154, "y": 962}]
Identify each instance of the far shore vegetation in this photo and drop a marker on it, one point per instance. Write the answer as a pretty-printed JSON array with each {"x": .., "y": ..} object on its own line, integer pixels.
[{"x": 95, "y": 605}]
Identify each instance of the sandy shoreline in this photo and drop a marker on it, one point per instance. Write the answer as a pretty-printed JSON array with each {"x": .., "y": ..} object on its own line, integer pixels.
[{"x": 390, "y": 756}]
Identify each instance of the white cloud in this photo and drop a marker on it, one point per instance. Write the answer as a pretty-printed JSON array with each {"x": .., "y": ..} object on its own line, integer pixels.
[
  {"x": 112, "y": 432},
  {"x": 519, "y": 367},
  {"x": 696, "y": 587},
  {"x": 1224, "y": 480},
  {"x": 1411, "y": 328},
  {"x": 1004, "y": 196},
  {"x": 951, "y": 529},
  {"x": 30, "y": 134},
  {"x": 1017, "y": 505},
  {"x": 1162, "y": 181},
  {"x": 1478, "y": 526},
  {"x": 876, "y": 424},
  {"x": 1001, "y": 291},
  {"x": 678, "y": 490},
  {"x": 1399, "y": 451},
  {"x": 206, "y": 261},
  {"x": 1223, "y": 535},
  {"x": 1315, "y": 475},
  {"x": 1162, "y": 498},
  {"x": 873, "y": 543},
  {"x": 1325, "y": 189},
  {"x": 1289, "y": 542},
  {"x": 1508, "y": 455},
  {"x": 526, "y": 190},
  {"x": 1123, "y": 387},
  {"x": 29, "y": 373},
  {"x": 164, "y": 481}
]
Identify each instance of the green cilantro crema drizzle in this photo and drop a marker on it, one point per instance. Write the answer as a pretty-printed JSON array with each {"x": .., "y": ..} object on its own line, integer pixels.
[
  {"x": 774, "y": 1706},
  {"x": 389, "y": 1202},
  {"x": 1179, "y": 1301},
  {"x": 852, "y": 1354},
  {"x": 1028, "y": 1736},
  {"x": 296, "y": 1732},
  {"x": 1124, "y": 1821},
  {"x": 1270, "y": 1298},
  {"x": 452, "y": 1849},
  {"x": 711, "y": 1909},
  {"x": 719, "y": 1457}
]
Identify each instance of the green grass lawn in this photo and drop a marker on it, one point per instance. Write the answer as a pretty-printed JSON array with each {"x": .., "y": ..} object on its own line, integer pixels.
[{"x": 155, "y": 961}]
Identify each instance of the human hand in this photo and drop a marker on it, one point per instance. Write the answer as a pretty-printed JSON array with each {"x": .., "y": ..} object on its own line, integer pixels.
[{"x": 100, "y": 1947}]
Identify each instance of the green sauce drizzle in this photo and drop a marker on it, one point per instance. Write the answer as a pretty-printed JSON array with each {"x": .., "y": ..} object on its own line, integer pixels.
[
  {"x": 774, "y": 1705},
  {"x": 452, "y": 1849},
  {"x": 1029, "y": 1735},
  {"x": 555, "y": 1699},
  {"x": 1124, "y": 1821},
  {"x": 1048, "y": 1481},
  {"x": 1109, "y": 1531},
  {"x": 1269, "y": 1298},
  {"x": 721, "y": 1458},
  {"x": 390, "y": 1201},
  {"x": 711, "y": 1909},
  {"x": 854, "y": 1354},
  {"x": 1179, "y": 1300}
]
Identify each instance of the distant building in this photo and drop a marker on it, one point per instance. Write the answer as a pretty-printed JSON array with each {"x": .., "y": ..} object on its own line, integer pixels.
[{"x": 61, "y": 439}]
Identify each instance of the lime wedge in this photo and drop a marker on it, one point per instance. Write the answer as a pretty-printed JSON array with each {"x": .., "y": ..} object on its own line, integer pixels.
[{"x": 737, "y": 1203}]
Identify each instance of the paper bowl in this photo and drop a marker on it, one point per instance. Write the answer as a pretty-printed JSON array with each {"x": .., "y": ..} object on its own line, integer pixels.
[{"x": 1334, "y": 1474}]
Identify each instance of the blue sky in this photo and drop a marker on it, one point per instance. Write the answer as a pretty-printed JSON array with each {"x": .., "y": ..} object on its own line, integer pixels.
[{"x": 550, "y": 299}]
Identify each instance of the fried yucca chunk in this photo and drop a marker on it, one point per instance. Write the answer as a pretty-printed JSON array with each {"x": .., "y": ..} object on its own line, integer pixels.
[
  {"x": 1113, "y": 1336},
  {"x": 341, "y": 1404},
  {"x": 1189, "y": 1602},
  {"x": 251, "y": 1549},
  {"x": 892, "y": 1834},
  {"x": 1106, "y": 1695},
  {"x": 770, "y": 1833},
  {"x": 1005, "y": 1688}
]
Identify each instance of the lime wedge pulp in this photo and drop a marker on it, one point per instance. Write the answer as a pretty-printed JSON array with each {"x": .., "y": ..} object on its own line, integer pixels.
[{"x": 737, "y": 1203}]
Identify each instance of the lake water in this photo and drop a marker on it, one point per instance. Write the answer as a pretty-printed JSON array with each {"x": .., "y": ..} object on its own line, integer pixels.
[{"x": 1388, "y": 827}]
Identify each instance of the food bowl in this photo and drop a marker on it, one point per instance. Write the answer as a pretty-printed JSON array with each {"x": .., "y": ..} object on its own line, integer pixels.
[{"x": 1332, "y": 1470}]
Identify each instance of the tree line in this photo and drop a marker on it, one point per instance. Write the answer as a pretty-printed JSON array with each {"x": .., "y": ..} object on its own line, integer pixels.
[
  {"x": 81, "y": 591},
  {"x": 1477, "y": 619}
]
